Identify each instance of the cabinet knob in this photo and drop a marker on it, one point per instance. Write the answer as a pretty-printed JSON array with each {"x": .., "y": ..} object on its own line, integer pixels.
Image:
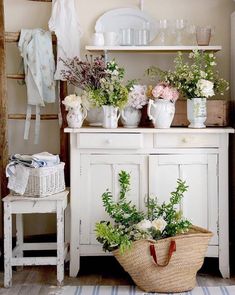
[
  {"x": 108, "y": 141},
  {"x": 184, "y": 140}
]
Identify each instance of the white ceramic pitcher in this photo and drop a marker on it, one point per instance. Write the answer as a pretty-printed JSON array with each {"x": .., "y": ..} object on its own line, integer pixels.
[
  {"x": 161, "y": 112},
  {"x": 130, "y": 117},
  {"x": 111, "y": 116},
  {"x": 75, "y": 117}
]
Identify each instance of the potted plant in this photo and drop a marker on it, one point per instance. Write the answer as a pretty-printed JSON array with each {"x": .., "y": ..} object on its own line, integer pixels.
[
  {"x": 196, "y": 80},
  {"x": 159, "y": 248},
  {"x": 112, "y": 94},
  {"x": 76, "y": 111},
  {"x": 161, "y": 108},
  {"x": 137, "y": 99},
  {"x": 102, "y": 85},
  {"x": 85, "y": 75}
]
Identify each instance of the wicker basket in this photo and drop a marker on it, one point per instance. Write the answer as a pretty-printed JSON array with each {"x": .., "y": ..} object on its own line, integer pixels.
[
  {"x": 45, "y": 181},
  {"x": 172, "y": 263}
]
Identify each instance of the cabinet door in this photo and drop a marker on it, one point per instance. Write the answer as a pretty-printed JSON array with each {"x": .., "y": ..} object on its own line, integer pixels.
[
  {"x": 200, "y": 202},
  {"x": 99, "y": 173}
]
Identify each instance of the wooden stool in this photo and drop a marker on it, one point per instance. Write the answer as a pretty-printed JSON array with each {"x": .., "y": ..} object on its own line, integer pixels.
[{"x": 27, "y": 205}]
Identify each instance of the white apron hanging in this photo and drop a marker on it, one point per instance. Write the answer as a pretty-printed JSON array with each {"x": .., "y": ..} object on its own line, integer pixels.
[
  {"x": 64, "y": 22},
  {"x": 36, "y": 49}
]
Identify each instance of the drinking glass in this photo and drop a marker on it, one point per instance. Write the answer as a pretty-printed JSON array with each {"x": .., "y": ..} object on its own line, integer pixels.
[
  {"x": 203, "y": 35},
  {"x": 163, "y": 25},
  {"x": 191, "y": 33},
  {"x": 127, "y": 36},
  {"x": 141, "y": 37},
  {"x": 180, "y": 26}
]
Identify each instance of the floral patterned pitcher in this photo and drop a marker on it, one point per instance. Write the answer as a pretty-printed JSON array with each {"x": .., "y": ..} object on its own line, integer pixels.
[
  {"x": 76, "y": 116},
  {"x": 111, "y": 116}
]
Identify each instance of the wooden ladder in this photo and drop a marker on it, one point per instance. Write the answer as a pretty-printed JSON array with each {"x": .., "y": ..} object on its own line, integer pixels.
[{"x": 9, "y": 37}]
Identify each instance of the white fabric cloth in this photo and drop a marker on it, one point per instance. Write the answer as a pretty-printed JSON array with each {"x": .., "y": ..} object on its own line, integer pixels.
[
  {"x": 39, "y": 65},
  {"x": 19, "y": 180},
  {"x": 65, "y": 23},
  {"x": 47, "y": 158}
]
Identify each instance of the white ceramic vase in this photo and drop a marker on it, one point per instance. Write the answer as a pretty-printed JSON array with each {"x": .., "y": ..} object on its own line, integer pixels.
[
  {"x": 111, "y": 116},
  {"x": 95, "y": 116},
  {"x": 130, "y": 117},
  {"x": 161, "y": 112},
  {"x": 75, "y": 117},
  {"x": 196, "y": 112}
]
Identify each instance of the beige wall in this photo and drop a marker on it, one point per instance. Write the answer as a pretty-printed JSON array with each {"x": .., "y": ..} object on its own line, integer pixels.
[{"x": 28, "y": 14}]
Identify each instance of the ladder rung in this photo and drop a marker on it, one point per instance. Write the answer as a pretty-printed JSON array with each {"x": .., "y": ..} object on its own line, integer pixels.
[
  {"x": 16, "y": 76},
  {"x": 15, "y": 37},
  {"x": 23, "y": 117}
]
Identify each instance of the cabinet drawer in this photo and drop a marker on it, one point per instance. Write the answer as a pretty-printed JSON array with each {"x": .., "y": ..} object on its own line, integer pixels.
[
  {"x": 181, "y": 140},
  {"x": 109, "y": 141}
]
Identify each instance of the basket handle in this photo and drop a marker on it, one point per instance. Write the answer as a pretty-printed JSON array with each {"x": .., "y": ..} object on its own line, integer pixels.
[{"x": 153, "y": 253}]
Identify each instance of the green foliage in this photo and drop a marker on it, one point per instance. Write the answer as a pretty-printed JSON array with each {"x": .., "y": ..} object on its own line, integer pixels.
[
  {"x": 122, "y": 212},
  {"x": 112, "y": 90},
  {"x": 194, "y": 78},
  {"x": 130, "y": 224},
  {"x": 173, "y": 218},
  {"x": 112, "y": 237}
]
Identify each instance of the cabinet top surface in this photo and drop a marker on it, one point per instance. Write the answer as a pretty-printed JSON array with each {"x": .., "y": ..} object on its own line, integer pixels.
[{"x": 174, "y": 130}]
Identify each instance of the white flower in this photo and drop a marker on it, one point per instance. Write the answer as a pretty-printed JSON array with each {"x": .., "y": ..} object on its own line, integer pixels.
[
  {"x": 213, "y": 63},
  {"x": 72, "y": 101},
  {"x": 203, "y": 74},
  {"x": 144, "y": 225},
  {"x": 159, "y": 224},
  {"x": 205, "y": 88}
]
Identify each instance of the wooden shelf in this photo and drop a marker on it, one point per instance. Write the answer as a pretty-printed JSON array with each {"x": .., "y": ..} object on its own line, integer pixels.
[
  {"x": 33, "y": 117},
  {"x": 16, "y": 76},
  {"x": 11, "y": 37},
  {"x": 152, "y": 48}
]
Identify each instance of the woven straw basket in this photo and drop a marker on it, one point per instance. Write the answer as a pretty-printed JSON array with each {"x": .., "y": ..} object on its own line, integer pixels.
[{"x": 167, "y": 265}]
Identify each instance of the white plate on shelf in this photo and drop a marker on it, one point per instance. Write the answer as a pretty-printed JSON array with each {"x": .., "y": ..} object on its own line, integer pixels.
[{"x": 116, "y": 19}]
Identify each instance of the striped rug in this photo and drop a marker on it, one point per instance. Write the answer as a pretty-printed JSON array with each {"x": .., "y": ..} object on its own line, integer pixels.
[{"x": 132, "y": 290}]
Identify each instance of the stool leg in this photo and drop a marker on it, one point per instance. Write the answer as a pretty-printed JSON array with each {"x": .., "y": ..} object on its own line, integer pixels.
[
  {"x": 7, "y": 245},
  {"x": 19, "y": 237},
  {"x": 60, "y": 243}
]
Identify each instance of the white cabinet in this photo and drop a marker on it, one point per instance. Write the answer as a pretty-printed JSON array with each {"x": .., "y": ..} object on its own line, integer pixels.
[
  {"x": 155, "y": 158},
  {"x": 200, "y": 202},
  {"x": 99, "y": 173}
]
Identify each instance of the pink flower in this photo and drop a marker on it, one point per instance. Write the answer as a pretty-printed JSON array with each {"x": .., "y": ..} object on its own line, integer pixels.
[
  {"x": 165, "y": 91},
  {"x": 158, "y": 90}
]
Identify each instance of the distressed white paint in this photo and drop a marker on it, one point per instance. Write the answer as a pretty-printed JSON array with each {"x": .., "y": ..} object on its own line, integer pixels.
[
  {"x": 7, "y": 245},
  {"x": 60, "y": 243},
  {"x": 194, "y": 154},
  {"x": 19, "y": 237},
  {"x": 21, "y": 205}
]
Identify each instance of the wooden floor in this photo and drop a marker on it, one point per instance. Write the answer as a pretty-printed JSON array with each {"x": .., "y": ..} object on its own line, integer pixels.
[{"x": 41, "y": 280}]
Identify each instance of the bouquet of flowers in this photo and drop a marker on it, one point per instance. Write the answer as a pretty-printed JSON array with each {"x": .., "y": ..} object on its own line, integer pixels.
[
  {"x": 137, "y": 97},
  {"x": 196, "y": 78},
  {"x": 158, "y": 222},
  {"x": 72, "y": 101},
  {"x": 163, "y": 90},
  {"x": 101, "y": 82}
]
